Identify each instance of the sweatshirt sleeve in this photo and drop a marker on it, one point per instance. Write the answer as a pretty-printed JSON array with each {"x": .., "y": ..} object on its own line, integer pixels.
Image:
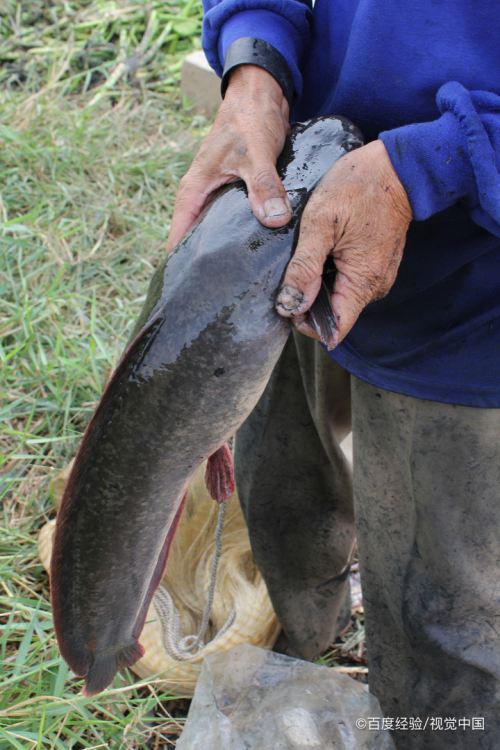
[
  {"x": 284, "y": 24},
  {"x": 455, "y": 157}
]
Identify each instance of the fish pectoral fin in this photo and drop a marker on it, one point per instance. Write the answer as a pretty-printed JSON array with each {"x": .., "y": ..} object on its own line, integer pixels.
[
  {"x": 107, "y": 663},
  {"x": 322, "y": 319},
  {"x": 219, "y": 474}
]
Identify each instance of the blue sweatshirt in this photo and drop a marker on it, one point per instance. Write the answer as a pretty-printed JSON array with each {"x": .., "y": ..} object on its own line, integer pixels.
[{"x": 425, "y": 78}]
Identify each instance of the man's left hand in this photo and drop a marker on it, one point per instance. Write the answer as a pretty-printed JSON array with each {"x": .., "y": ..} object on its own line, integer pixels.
[{"x": 359, "y": 214}]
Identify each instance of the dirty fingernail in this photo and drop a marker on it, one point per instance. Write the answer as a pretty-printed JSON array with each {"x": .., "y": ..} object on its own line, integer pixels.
[
  {"x": 289, "y": 299},
  {"x": 275, "y": 207}
]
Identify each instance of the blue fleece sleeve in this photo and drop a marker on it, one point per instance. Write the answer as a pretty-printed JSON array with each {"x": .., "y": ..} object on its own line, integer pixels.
[
  {"x": 454, "y": 157},
  {"x": 285, "y": 24}
]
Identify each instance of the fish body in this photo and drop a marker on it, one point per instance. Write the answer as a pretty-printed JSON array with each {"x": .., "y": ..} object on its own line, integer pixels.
[{"x": 203, "y": 351}]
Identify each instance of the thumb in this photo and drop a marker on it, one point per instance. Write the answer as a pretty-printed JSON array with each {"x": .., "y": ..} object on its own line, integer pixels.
[
  {"x": 302, "y": 280},
  {"x": 266, "y": 194}
]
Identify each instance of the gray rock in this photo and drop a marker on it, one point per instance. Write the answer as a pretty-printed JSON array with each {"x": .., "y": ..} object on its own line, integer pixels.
[{"x": 252, "y": 699}]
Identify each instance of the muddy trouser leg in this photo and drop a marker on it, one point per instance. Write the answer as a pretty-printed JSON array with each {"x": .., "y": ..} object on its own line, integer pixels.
[
  {"x": 427, "y": 501},
  {"x": 295, "y": 489}
]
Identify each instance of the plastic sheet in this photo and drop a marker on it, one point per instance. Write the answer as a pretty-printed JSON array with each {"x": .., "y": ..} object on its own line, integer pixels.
[{"x": 251, "y": 699}]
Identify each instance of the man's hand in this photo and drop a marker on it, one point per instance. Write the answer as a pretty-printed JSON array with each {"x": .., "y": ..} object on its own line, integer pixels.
[
  {"x": 359, "y": 214},
  {"x": 244, "y": 143}
]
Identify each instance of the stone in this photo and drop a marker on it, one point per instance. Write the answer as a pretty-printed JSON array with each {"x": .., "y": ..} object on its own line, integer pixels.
[
  {"x": 248, "y": 698},
  {"x": 200, "y": 86}
]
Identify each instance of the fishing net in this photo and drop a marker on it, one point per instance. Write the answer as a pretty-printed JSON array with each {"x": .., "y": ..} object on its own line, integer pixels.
[{"x": 183, "y": 624}]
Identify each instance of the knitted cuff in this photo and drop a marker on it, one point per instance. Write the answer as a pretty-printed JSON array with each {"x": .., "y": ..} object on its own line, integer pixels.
[{"x": 249, "y": 51}]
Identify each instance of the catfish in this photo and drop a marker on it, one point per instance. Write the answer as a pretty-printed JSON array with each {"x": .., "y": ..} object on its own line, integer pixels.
[{"x": 200, "y": 357}]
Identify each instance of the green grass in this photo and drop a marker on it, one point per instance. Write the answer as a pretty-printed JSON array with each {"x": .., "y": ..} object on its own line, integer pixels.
[
  {"x": 77, "y": 44},
  {"x": 89, "y": 164}
]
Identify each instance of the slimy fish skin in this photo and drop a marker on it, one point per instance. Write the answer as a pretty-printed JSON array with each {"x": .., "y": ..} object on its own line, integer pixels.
[{"x": 201, "y": 355}]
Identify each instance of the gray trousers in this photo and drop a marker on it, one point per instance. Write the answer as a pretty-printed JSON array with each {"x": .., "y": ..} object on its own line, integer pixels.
[{"x": 427, "y": 507}]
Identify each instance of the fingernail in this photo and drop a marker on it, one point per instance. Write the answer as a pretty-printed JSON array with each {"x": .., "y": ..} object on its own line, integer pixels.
[
  {"x": 275, "y": 207},
  {"x": 289, "y": 299}
]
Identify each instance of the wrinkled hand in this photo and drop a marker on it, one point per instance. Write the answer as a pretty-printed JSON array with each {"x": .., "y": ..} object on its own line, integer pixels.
[
  {"x": 359, "y": 214},
  {"x": 244, "y": 143}
]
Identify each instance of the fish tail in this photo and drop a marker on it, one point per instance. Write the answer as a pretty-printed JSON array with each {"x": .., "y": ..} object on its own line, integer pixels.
[{"x": 106, "y": 664}]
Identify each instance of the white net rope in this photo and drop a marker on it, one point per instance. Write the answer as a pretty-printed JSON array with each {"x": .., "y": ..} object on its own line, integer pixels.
[{"x": 185, "y": 647}]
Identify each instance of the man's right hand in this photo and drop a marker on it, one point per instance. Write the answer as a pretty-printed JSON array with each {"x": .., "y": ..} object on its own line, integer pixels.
[{"x": 244, "y": 143}]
